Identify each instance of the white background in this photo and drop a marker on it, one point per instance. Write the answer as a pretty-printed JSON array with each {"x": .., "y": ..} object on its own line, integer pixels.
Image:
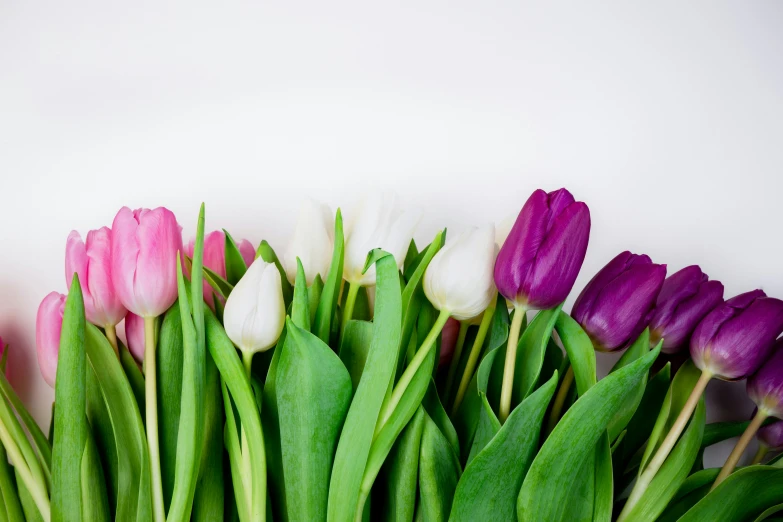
[{"x": 665, "y": 117}]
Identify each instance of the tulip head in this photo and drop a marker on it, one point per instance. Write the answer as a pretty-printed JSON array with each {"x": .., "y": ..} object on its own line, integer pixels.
[
  {"x": 685, "y": 298},
  {"x": 737, "y": 336},
  {"x": 448, "y": 341},
  {"x": 765, "y": 387},
  {"x": 541, "y": 257},
  {"x": 91, "y": 259},
  {"x": 378, "y": 223},
  {"x": 255, "y": 310},
  {"x": 459, "y": 277},
  {"x": 48, "y": 326},
  {"x": 312, "y": 242},
  {"x": 145, "y": 244},
  {"x": 215, "y": 257},
  {"x": 616, "y": 305},
  {"x": 771, "y": 435},
  {"x": 134, "y": 334}
]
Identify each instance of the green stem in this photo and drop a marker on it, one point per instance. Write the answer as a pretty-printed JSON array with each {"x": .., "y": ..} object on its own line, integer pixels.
[
  {"x": 511, "y": 361},
  {"x": 111, "y": 335},
  {"x": 247, "y": 473},
  {"x": 407, "y": 376},
  {"x": 350, "y": 302},
  {"x": 760, "y": 454},
  {"x": 36, "y": 489},
  {"x": 666, "y": 446},
  {"x": 562, "y": 394},
  {"x": 740, "y": 448},
  {"x": 455, "y": 357},
  {"x": 475, "y": 352},
  {"x": 151, "y": 409}
]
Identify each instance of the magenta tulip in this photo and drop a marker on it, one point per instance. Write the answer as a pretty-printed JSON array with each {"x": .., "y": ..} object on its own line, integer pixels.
[
  {"x": 48, "y": 324},
  {"x": 765, "y": 387},
  {"x": 771, "y": 436},
  {"x": 215, "y": 257},
  {"x": 538, "y": 263},
  {"x": 134, "y": 334},
  {"x": 92, "y": 261},
  {"x": 144, "y": 259}
]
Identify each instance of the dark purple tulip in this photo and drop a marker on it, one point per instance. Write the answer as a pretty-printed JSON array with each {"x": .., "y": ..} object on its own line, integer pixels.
[
  {"x": 771, "y": 435},
  {"x": 765, "y": 387},
  {"x": 538, "y": 263},
  {"x": 617, "y": 303},
  {"x": 686, "y": 297},
  {"x": 736, "y": 337}
]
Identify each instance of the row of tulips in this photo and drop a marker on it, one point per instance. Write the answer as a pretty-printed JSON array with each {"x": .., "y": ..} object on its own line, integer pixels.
[{"x": 345, "y": 414}]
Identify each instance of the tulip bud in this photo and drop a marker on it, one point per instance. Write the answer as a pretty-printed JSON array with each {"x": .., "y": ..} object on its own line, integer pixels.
[
  {"x": 771, "y": 435},
  {"x": 134, "y": 334},
  {"x": 378, "y": 223},
  {"x": 459, "y": 277},
  {"x": 215, "y": 257},
  {"x": 92, "y": 261},
  {"x": 448, "y": 340},
  {"x": 255, "y": 311},
  {"x": 145, "y": 244},
  {"x": 685, "y": 298},
  {"x": 736, "y": 337},
  {"x": 765, "y": 387},
  {"x": 541, "y": 257},
  {"x": 48, "y": 325},
  {"x": 312, "y": 242},
  {"x": 617, "y": 303}
]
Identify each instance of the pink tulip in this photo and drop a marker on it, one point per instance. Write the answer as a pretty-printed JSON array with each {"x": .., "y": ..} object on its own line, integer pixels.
[
  {"x": 48, "y": 324},
  {"x": 92, "y": 261},
  {"x": 215, "y": 257},
  {"x": 144, "y": 256},
  {"x": 134, "y": 333},
  {"x": 2, "y": 348}
]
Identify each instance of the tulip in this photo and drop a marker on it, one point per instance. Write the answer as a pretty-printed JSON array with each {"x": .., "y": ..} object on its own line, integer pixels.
[
  {"x": 255, "y": 311},
  {"x": 215, "y": 258},
  {"x": 312, "y": 242},
  {"x": 685, "y": 298},
  {"x": 92, "y": 261},
  {"x": 134, "y": 334},
  {"x": 541, "y": 257},
  {"x": 735, "y": 338},
  {"x": 765, "y": 388},
  {"x": 458, "y": 280},
  {"x": 48, "y": 325},
  {"x": 770, "y": 439},
  {"x": 617, "y": 303},
  {"x": 448, "y": 341}
]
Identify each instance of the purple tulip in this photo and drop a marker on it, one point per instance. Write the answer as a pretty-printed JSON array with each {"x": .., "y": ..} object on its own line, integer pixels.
[
  {"x": 616, "y": 305},
  {"x": 685, "y": 298},
  {"x": 538, "y": 263},
  {"x": 771, "y": 435},
  {"x": 765, "y": 387},
  {"x": 735, "y": 338}
]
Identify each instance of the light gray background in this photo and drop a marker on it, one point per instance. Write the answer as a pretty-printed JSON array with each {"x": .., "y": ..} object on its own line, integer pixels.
[{"x": 666, "y": 117}]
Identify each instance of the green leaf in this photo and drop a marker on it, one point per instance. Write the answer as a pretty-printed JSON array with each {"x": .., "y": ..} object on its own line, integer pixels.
[
  {"x": 268, "y": 254},
  {"x": 313, "y": 394},
  {"x": 604, "y": 481},
  {"x": 218, "y": 284},
  {"x": 354, "y": 348},
  {"x": 544, "y": 493},
  {"x": 103, "y": 433},
  {"x": 31, "y": 512},
  {"x": 489, "y": 487},
  {"x": 170, "y": 354},
  {"x": 95, "y": 504},
  {"x": 235, "y": 263},
  {"x": 134, "y": 375},
  {"x": 40, "y": 442},
  {"x": 271, "y": 423},
  {"x": 690, "y": 492},
  {"x": 11, "y": 506},
  {"x": 744, "y": 495},
  {"x": 314, "y": 295},
  {"x": 70, "y": 424},
  {"x": 356, "y": 438},
  {"x": 636, "y": 351},
  {"x": 769, "y": 512},
  {"x": 240, "y": 486},
  {"x": 208, "y": 503},
  {"x": 410, "y": 255},
  {"x": 439, "y": 473},
  {"x": 434, "y": 408},
  {"x": 300, "y": 306},
  {"x": 580, "y": 351},
  {"x": 330, "y": 294},
  {"x": 487, "y": 427}
]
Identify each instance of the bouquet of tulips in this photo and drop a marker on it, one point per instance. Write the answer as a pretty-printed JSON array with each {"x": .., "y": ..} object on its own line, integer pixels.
[{"x": 359, "y": 377}]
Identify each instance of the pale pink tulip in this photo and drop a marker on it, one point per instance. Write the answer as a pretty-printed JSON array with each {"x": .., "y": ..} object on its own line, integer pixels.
[
  {"x": 144, "y": 259},
  {"x": 48, "y": 324},
  {"x": 215, "y": 257},
  {"x": 134, "y": 333},
  {"x": 92, "y": 261}
]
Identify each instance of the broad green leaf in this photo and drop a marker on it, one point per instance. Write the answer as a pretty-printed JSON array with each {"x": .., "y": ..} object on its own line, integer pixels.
[
  {"x": 31, "y": 512},
  {"x": 325, "y": 313},
  {"x": 134, "y": 375},
  {"x": 300, "y": 306},
  {"x": 604, "y": 481},
  {"x": 313, "y": 395},
  {"x": 70, "y": 424},
  {"x": 271, "y": 424},
  {"x": 690, "y": 492},
  {"x": 239, "y": 481},
  {"x": 744, "y": 495},
  {"x": 434, "y": 408},
  {"x": 120, "y": 506},
  {"x": 39, "y": 440},
  {"x": 356, "y": 438},
  {"x": 489, "y": 487},
  {"x": 354, "y": 348},
  {"x": 267, "y": 253},
  {"x": 11, "y": 506},
  {"x": 235, "y": 263},
  {"x": 314, "y": 295},
  {"x": 545, "y": 491},
  {"x": 769, "y": 512},
  {"x": 400, "y": 473},
  {"x": 169, "y": 361},
  {"x": 624, "y": 416},
  {"x": 579, "y": 349},
  {"x": 95, "y": 504},
  {"x": 487, "y": 427},
  {"x": 208, "y": 503},
  {"x": 410, "y": 255},
  {"x": 218, "y": 284},
  {"x": 439, "y": 473}
]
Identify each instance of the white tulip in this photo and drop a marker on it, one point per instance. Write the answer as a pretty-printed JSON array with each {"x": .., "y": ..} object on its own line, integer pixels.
[
  {"x": 255, "y": 311},
  {"x": 312, "y": 242},
  {"x": 378, "y": 223},
  {"x": 459, "y": 278}
]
